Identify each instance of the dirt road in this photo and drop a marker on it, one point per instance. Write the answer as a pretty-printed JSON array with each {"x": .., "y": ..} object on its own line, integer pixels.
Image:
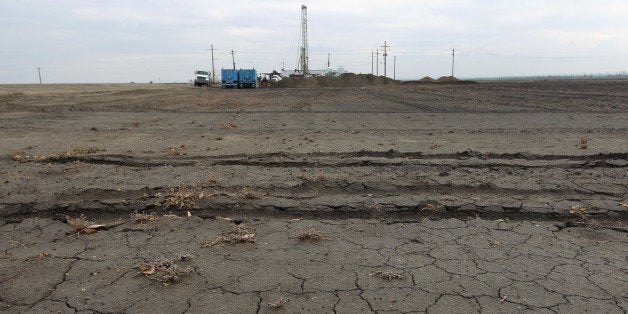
[{"x": 489, "y": 197}]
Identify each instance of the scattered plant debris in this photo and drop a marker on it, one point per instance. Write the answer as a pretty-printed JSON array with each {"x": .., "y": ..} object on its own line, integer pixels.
[
  {"x": 170, "y": 216},
  {"x": 229, "y": 125},
  {"x": 389, "y": 275},
  {"x": 184, "y": 197},
  {"x": 81, "y": 224},
  {"x": 433, "y": 208},
  {"x": 310, "y": 235},
  {"x": 579, "y": 211},
  {"x": 163, "y": 270},
  {"x": 22, "y": 155},
  {"x": 237, "y": 234},
  {"x": 584, "y": 142},
  {"x": 210, "y": 180},
  {"x": 279, "y": 303},
  {"x": 175, "y": 151},
  {"x": 143, "y": 218},
  {"x": 16, "y": 242},
  {"x": 247, "y": 192}
]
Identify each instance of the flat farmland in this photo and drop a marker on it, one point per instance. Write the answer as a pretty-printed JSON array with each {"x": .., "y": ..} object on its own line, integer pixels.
[{"x": 497, "y": 196}]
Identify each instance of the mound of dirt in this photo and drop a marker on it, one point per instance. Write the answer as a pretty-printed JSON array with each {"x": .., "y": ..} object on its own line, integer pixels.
[
  {"x": 447, "y": 79},
  {"x": 453, "y": 80},
  {"x": 424, "y": 80},
  {"x": 343, "y": 80}
]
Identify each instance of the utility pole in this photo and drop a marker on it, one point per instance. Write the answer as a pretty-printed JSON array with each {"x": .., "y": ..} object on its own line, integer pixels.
[
  {"x": 328, "y": 64},
  {"x": 372, "y": 58},
  {"x": 39, "y": 72},
  {"x": 213, "y": 69},
  {"x": 453, "y": 54},
  {"x": 233, "y": 58},
  {"x": 395, "y": 68},
  {"x": 385, "y": 54},
  {"x": 304, "y": 48},
  {"x": 376, "y": 62}
]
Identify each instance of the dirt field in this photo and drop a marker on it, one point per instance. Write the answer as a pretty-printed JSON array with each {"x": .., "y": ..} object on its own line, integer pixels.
[{"x": 493, "y": 197}]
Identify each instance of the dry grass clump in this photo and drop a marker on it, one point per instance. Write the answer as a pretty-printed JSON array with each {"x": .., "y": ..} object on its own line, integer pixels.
[
  {"x": 316, "y": 178},
  {"x": 310, "y": 235},
  {"x": 163, "y": 270},
  {"x": 229, "y": 125},
  {"x": 237, "y": 234},
  {"x": 279, "y": 303},
  {"x": 389, "y": 275},
  {"x": 175, "y": 151},
  {"x": 579, "y": 211},
  {"x": 143, "y": 218},
  {"x": 584, "y": 142},
  {"x": 184, "y": 197},
  {"x": 22, "y": 155},
  {"x": 433, "y": 208},
  {"x": 249, "y": 193},
  {"x": 82, "y": 225},
  {"x": 210, "y": 180}
]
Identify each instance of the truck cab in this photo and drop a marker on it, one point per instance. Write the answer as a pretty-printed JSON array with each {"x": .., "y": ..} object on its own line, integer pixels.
[{"x": 201, "y": 78}]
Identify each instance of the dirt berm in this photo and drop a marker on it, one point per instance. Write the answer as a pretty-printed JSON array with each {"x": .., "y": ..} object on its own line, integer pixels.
[{"x": 343, "y": 80}]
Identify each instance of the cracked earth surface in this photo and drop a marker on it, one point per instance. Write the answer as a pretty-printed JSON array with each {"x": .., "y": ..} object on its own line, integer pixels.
[{"x": 474, "y": 198}]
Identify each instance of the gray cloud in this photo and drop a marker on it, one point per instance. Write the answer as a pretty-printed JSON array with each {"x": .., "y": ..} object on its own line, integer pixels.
[{"x": 122, "y": 41}]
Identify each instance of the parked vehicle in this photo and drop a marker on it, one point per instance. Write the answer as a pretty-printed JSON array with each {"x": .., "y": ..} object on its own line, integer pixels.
[
  {"x": 247, "y": 78},
  {"x": 242, "y": 78},
  {"x": 201, "y": 78},
  {"x": 229, "y": 78}
]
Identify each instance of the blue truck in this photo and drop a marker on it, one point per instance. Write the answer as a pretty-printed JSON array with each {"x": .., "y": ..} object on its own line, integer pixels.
[
  {"x": 247, "y": 78},
  {"x": 242, "y": 78},
  {"x": 229, "y": 78}
]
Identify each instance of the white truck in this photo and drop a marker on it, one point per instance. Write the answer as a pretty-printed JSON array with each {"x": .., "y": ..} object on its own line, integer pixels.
[{"x": 201, "y": 78}]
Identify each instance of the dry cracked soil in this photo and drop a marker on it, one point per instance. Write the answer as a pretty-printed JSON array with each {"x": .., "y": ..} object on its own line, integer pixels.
[{"x": 492, "y": 197}]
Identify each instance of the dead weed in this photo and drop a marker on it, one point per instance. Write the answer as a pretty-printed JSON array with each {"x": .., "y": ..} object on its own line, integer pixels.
[
  {"x": 310, "y": 235},
  {"x": 184, "y": 197},
  {"x": 22, "y": 155},
  {"x": 143, "y": 218},
  {"x": 163, "y": 270},
  {"x": 388, "y": 275},
  {"x": 237, "y": 234},
  {"x": 82, "y": 225},
  {"x": 175, "y": 151},
  {"x": 279, "y": 303},
  {"x": 229, "y": 125},
  {"x": 579, "y": 211}
]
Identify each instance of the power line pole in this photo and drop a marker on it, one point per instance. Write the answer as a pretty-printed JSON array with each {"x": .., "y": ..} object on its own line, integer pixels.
[
  {"x": 372, "y": 58},
  {"x": 328, "y": 64},
  {"x": 377, "y": 62},
  {"x": 39, "y": 73},
  {"x": 304, "y": 47},
  {"x": 213, "y": 69},
  {"x": 233, "y": 58},
  {"x": 395, "y": 68},
  {"x": 385, "y": 54},
  {"x": 453, "y": 54}
]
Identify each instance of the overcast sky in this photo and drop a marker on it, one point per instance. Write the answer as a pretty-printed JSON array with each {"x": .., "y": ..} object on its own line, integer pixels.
[{"x": 124, "y": 41}]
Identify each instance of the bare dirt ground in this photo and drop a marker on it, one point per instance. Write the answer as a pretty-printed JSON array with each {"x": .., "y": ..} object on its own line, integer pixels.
[{"x": 492, "y": 197}]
